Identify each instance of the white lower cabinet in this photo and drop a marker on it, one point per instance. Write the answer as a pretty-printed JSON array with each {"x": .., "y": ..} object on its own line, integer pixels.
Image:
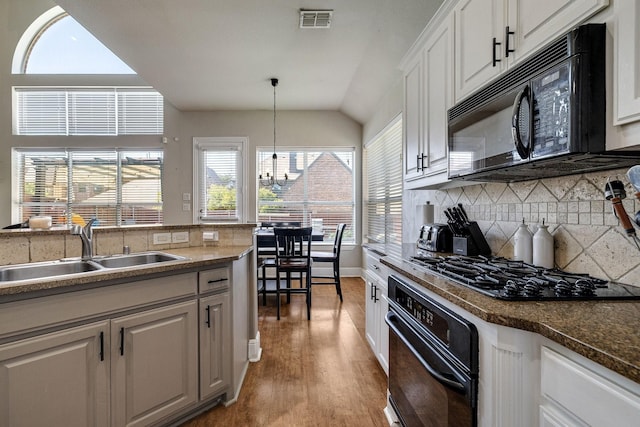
[
  {"x": 154, "y": 364},
  {"x": 578, "y": 392},
  {"x": 127, "y": 371},
  {"x": 215, "y": 342},
  {"x": 376, "y": 307},
  {"x": 143, "y": 361},
  {"x": 56, "y": 379}
]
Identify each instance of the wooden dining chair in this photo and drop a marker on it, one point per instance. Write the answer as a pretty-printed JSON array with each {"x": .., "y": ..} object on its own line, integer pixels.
[
  {"x": 332, "y": 257},
  {"x": 293, "y": 255}
]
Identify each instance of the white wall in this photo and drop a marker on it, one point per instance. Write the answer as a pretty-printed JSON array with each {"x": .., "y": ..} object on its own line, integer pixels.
[{"x": 294, "y": 129}]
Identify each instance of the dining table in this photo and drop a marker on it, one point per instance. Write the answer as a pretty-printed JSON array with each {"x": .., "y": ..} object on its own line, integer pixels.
[{"x": 266, "y": 242}]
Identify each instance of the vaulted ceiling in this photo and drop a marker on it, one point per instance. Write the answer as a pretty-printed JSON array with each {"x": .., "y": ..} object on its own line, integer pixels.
[{"x": 221, "y": 54}]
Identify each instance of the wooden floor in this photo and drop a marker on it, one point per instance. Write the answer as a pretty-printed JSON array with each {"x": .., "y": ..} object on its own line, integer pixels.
[{"x": 320, "y": 372}]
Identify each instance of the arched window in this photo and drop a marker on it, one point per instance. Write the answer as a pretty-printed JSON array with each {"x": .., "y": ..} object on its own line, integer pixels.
[{"x": 57, "y": 44}]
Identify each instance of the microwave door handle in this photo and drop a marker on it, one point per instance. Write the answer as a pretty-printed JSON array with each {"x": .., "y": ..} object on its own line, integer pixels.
[
  {"x": 521, "y": 122},
  {"x": 390, "y": 318}
]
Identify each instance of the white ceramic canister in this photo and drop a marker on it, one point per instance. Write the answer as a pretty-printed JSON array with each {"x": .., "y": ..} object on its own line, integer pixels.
[
  {"x": 523, "y": 244},
  {"x": 543, "y": 247}
]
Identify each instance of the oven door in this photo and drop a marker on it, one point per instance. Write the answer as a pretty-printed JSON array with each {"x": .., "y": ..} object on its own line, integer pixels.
[{"x": 425, "y": 387}]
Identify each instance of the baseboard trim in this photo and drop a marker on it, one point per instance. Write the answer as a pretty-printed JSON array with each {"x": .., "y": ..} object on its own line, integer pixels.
[
  {"x": 236, "y": 392},
  {"x": 254, "y": 350}
]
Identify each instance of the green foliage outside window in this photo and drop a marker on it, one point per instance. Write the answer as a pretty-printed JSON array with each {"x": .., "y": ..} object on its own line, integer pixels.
[
  {"x": 265, "y": 195},
  {"x": 221, "y": 197}
]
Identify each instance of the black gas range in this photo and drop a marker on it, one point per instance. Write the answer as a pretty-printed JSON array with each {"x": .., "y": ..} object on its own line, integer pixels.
[{"x": 506, "y": 279}]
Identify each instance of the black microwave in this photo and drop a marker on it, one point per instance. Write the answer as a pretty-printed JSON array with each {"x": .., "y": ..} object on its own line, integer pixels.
[{"x": 545, "y": 117}]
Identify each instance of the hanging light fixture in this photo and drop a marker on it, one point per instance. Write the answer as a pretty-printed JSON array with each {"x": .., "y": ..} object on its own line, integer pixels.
[{"x": 269, "y": 180}]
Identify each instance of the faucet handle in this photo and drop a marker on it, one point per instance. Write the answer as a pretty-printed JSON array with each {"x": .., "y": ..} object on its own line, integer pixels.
[
  {"x": 76, "y": 229},
  {"x": 88, "y": 231}
]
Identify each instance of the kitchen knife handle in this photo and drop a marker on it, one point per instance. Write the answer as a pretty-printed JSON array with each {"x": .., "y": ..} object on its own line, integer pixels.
[
  {"x": 622, "y": 216},
  {"x": 463, "y": 212}
]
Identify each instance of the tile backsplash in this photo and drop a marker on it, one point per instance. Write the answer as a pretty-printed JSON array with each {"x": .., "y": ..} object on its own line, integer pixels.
[
  {"x": 587, "y": 236},
  {"x": 23, "y": 245}
]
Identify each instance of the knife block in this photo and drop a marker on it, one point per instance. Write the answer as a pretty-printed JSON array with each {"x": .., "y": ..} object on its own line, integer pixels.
[{"x": 474, "y": 243}]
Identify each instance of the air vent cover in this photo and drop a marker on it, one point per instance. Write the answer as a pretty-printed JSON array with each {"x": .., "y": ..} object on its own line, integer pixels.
[{"x": 315, "y": 18}]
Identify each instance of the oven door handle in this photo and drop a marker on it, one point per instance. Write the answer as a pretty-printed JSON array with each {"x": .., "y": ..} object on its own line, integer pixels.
[{"x": 390, "y": 318}]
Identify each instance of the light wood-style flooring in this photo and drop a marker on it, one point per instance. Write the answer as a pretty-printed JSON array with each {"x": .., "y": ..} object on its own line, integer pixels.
[{"x": 320, "y": 372}]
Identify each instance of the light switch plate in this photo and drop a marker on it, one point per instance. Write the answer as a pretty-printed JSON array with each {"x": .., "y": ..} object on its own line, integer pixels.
[
  {"x": 161, "y": 238},
  {"x": 180, "y": 237}
]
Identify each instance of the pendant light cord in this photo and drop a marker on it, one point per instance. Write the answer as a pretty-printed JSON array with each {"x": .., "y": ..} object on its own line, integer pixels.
[{"x": 274, "y": 83}]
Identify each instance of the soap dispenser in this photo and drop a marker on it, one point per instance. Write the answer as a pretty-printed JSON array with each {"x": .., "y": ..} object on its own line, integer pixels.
[
  {"x": 523, "y": 244},
  {"x": 543, "y": 247}
]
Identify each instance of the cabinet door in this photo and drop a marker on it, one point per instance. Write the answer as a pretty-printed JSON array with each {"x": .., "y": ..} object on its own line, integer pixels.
[
  {"x": 215, "y": 342},
  {"x": 154, "y": 362},
  {"x": 537, "y": 23},
  {"x": 57, "y": 379},
  {"x": 626, "y": 63},
  {"x": 579, "y": 389},
  {"x": 412, "y": 122},
  {"x": 438, "y": 84},
  {"x": 371, "y": 330},
  {"x": 477, "y": 22},
  {"x": 383, "y": 329}
]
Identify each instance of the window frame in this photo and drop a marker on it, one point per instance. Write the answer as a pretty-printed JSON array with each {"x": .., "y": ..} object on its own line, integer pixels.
[
  {"x": 351, "y": 237},
  {"x": 31, "y": 36},
  {"x": 75, "y": 108},
  {"x": 119, "y": 205},
  {"x": 211, "y": 143}
]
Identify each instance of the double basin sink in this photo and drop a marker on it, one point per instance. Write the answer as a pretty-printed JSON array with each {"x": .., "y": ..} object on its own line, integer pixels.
[{"x": 55, "y": 269}]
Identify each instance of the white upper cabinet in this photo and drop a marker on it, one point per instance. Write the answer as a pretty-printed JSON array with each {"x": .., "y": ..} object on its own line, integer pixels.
[
  {"x": 412, "y": 120},
  {"x": 493, "y": 35},
  {"x": 479, "y": 27},
  {"x": 438, "y": 90},
  {"x": 626, "y": 42},
  {"x": 428, "y": 87}
]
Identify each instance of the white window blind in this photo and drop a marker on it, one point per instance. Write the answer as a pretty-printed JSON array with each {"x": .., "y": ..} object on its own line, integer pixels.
[
  {"x": 383, "y": 187},
  {"x": 320, "y": 191},
  {"x": 219, "y": 179},
  {"x": 88, "y": 111},
  {"x": 91, "y": 112},
  {"x": 117, "y": 187}
]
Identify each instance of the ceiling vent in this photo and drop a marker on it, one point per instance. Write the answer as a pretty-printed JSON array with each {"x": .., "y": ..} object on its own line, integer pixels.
[{"x": 315, "y": 18}]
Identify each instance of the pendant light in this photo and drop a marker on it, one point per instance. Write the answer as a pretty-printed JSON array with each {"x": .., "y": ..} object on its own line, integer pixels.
[{"x": 270, "y": 178}]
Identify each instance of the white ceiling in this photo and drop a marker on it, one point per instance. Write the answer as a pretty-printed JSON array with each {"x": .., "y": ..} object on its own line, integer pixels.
[{"x": 220, "y": 54}]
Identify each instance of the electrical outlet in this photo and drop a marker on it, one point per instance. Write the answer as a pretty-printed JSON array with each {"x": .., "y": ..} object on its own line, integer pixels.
[
  {"x": 186, "y": 206},
  {"x": 211, "y": 236},
  {"x": 161, "y": 238},
  {"x": 186, "y": 197},
  {"x": 180, "y": 237}
]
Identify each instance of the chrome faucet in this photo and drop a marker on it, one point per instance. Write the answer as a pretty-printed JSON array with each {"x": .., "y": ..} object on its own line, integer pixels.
[{"x": 86, "y": 235}]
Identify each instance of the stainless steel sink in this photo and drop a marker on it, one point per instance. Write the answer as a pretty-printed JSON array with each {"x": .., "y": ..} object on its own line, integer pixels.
[
  {"x": 132, "y": 260},
  {"x": 41, "y": 270},
  {"x": 56, "y": 269}
]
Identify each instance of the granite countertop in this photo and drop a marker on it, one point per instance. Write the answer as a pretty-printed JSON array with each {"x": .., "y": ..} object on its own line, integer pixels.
[
  {"x": 607, "y": 332},
  {"x": 196, "y": 257}
]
